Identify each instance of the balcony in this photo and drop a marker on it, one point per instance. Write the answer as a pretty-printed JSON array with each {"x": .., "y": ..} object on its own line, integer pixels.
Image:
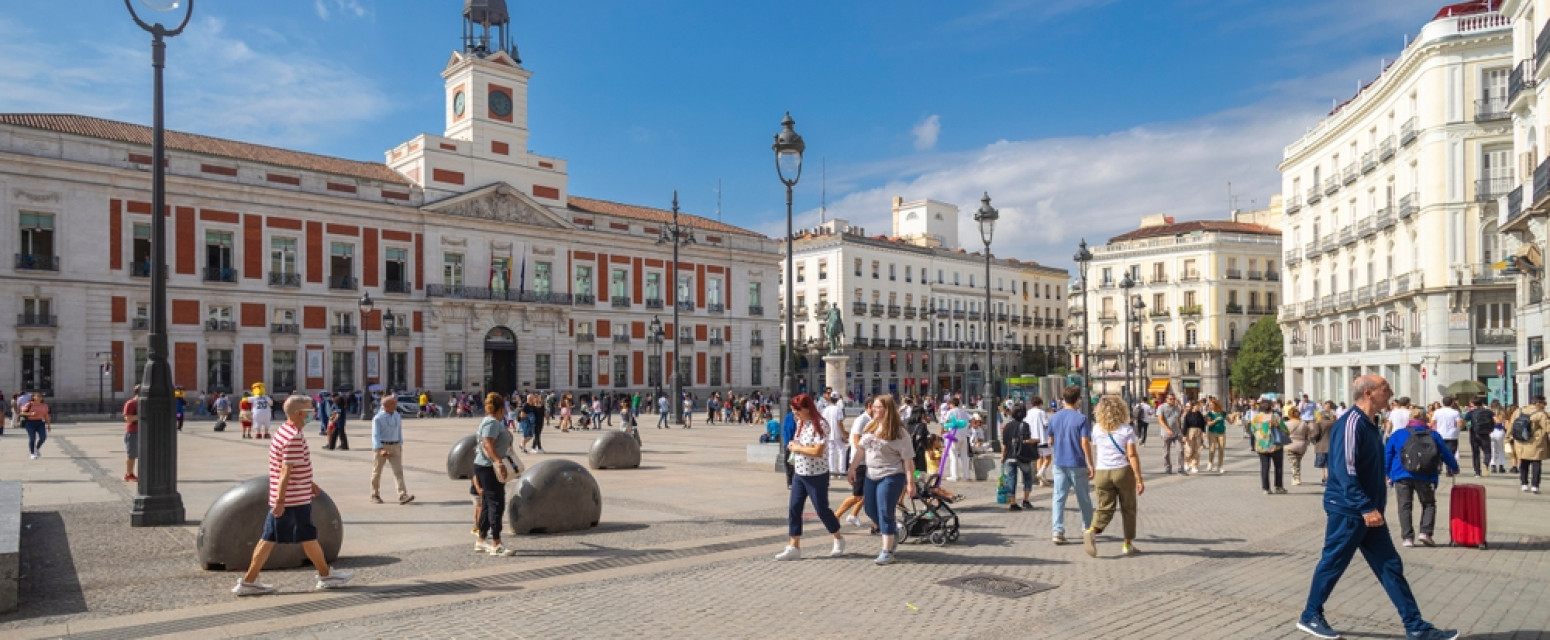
[
  {"x": 621, "y": 338},
  {"x": 895, "y": 311},
  {"x": 1393, "y": 341},
  {"x": 1327, "y": 304},
  {"x": 1109, "y": 316},
  {"x": 282, "y": 279},
  {"x": 958, "y": 314},
  {"x": 37, "y": 262},
  {"x": 453, "y": 291},
  {"x": 858, "y": 308},
  {"x": 1235, "y": 308},
  {"x": 1299, "y": 349},
  {"x": 1521, "y": 78},
  {"x": 342, "y": 330},
  {"x": 1489, "y": 189},
  {"x": 584, "y": 299},
  {"x": 1488, "y": 274},
  {"x": 1193, "y": 276},
  {"x": 540, "y": 297},
  {"x": 1309, "y": 308},
  {"x": 1337, "y": 347},
  {"x": 755, "y": 310},
  {"x": 1288, "y": 312},
  {"x": 1160, "y": 313},
  {"x": 1331, "y": 185},
  {"x": 1314, "y": 195},
  {"x": 756, "y": 341},
  {"x": 1409, "y": 204},
  {"x": 1258, "y": 310},
  {"x": 1027, "y": 321},
  {"x": 1496, "y": 336},
  {"x": 1541, "y": 181},
  {"x": 944, "y": 344},
  {"x": 285, "y": 328},
  {"x": 1256, "y": 275},
  {"x": 140, "y": 270},
  {"x": 1329, "y": 243},
  {"x": 586, "y": 337},
  {"x": 974, "y": 316},
  {"x": 1386, "y": 149},
  {"x": 1364, "y": 295},
  {"x": 895, "y": 343},
  {"x": 1192, "y": 311},
  {"x": 1408, "y": 131},
  {"x": 686, "y": 340},
  {"x": 1349, "y": 174},
  {"x": 220, "y": 274},
  {"x": 1542, "y": 41},
  {"x": 909, "y": 313},
  {"x": 341, "y": 283},
  {"x": 396, "y": 286},
  {"x": 1273, "y": 276},
  {"x": 910, "y": 343},
  {"x": 1381, "y": 290},
  {"x": 1318, "y": 349},
  {"x": 220, "y": 326},
  {"x": 619, "y": 302},
  {"x": 654, "y": 304},
  {"x": 1374, "y": 343},
  {"x": 877, "y": 310},
  {"x": 1343, "y": 300},
  {"x": 37, "y": 320},
  {"x": 1383, "y": 218},
  {"x": 1234, "y": 274},
  {"x": 1515, "y": 204},
  {"x": 715, "y": 341},
  {"x": 1157, "y": 278},
  {"x": 684, "y": 305},
  {"x": 1293, "y": 257},
  {"x": 716, "y": 307},
  {"x": 1491, "y": 109},
  {"x": 396, "y": 332},
  {"x": 1000, "y": 316},
  {"x": 1369, "y": 161},
  {"x": 1293, "y": 204},
  {"x": 1347, "y": 236},
  {"x": 1403, "y": 281},
  {"x": 1312, "y": 249},
  {"x": 140, "y": 324},
  {"x": 1365, "y": 228}
]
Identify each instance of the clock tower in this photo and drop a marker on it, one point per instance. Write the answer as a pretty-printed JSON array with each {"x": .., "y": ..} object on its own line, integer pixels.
[{"x": 486, "y": 134}]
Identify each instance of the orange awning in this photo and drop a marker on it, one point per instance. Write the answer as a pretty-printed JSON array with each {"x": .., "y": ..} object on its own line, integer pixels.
[{"x": 1158, "y": 386}]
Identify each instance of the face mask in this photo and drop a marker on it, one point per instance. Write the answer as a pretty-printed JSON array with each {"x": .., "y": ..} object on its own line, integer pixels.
[{"x": 306, "y": 419}]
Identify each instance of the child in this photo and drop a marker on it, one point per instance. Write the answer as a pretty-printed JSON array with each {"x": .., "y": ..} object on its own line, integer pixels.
[
  {"x": 245, "y": 416},
  {"x": 934, "y": 456}
]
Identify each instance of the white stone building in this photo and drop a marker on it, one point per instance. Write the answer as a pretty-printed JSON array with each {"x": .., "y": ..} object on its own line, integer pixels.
[
  {"x": 1200, "y": 283},
  {"x": 1391, "y": 246},
  {"x": 495, "y": 276},
  {"x": 915, "y": 297},
  {"x": 1523, "y": 212}
]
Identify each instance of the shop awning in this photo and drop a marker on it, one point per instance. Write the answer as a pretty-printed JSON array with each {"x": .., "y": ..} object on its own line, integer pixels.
[{"x": 1159, "y": 385}]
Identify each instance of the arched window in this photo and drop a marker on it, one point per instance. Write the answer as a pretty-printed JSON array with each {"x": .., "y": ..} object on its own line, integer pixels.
[
  {"x": 1354, "y": 328},
  {"x": 1490, "y": 244},
  {"x": 1334, "y": 333},
  {"x": 1232, "y": 333},
  {"x": 1318, "y": 334}
]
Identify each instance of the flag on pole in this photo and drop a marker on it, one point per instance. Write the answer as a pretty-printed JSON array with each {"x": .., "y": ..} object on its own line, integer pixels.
[{"x": 522, "y": 279}]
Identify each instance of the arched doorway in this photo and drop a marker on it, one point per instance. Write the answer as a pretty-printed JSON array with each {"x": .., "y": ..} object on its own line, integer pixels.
[{"x": 500, "y": 361}]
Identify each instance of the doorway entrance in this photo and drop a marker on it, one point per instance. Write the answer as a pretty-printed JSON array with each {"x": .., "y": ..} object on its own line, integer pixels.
[{"x": 500, "y": 361}]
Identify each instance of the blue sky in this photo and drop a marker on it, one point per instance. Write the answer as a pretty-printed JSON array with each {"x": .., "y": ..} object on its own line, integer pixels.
[{"x": 1078, "y": 116}]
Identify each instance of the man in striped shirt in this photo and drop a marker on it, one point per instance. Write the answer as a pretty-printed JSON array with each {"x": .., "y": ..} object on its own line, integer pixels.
[{"x": 290, "y": 500}]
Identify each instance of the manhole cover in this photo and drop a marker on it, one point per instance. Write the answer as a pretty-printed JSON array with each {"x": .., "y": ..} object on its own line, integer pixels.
[{"x": 992, "y": 584}]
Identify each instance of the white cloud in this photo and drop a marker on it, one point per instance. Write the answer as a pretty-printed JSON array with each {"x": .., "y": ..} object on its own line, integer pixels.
[
  {"x": 926, "y": 132},
  {"x": 321, "y": 7},
  {"x": 346, "y": 8}
]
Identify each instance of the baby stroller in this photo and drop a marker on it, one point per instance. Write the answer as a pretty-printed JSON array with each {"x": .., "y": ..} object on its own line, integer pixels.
[{"x": 928, "y": 516}]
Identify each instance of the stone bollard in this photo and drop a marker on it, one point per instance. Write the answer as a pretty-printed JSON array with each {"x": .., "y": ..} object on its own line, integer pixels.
[
  {"x": 235, "y": 521},
  {"x": 614, "y": 450},
  {"x": 554, "y": 496},
  {"x": 460, "y": 459}
]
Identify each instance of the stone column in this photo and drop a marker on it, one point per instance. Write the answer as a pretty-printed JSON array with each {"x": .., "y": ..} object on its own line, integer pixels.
[{"x": 834, "y": 372}]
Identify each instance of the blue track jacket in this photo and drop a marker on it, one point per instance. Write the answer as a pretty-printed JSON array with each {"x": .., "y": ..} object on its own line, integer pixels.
[{"x": 1357, "y": 480}]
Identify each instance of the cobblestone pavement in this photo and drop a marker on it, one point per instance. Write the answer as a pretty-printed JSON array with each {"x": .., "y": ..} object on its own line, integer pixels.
[{"x": 685, "y": 546}]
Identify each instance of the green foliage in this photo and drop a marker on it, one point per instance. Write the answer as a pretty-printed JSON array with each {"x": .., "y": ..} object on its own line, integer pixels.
[{"x": 1257, "y": 368}]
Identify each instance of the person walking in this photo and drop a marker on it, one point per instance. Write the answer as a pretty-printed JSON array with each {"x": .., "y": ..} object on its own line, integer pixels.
[
  {"x": 1413, "y": 470},
  {"x": 533, "y": 416},
  {"x": 566, "y": 403},
  {"x": 1482, "y": 423},
  {"x": 810, "y": 482},
  {"x": 1019, "y": 450},
  {"x": 1446, "y": 420},
  {"x": 291, "y": 491},
  {"x": 1499, "y": 440},
  {"x": 1354, "y": 502},
  {"x": 1299, "y": 432},
  {"x": 491, "y": 475},
  {"x": 387, "y": 446},
  {"x": 1038, "y": 429},
  {"x": 131, "y": 434},
  {"x": 222, "y": 406},
  {"x": 1533, "y": 451},
  {"x": 1268, "y": 430},
  {"x": 834, "y": 416},
  {"x": 1117, "y": 477},
  {"x": 851, "y": 508},
  {"x": 1070, "y": 438},
  {"x": 1169, "y": 417},
  {"x": 37, "y": 422},
  {"x": 1216, "y": 437},
  {"x": 1140, "y": 415},
  {"x": 1194, "y": 435},
  {"x": 884, "y": 447},
  {"x": 338, "y": 414}
]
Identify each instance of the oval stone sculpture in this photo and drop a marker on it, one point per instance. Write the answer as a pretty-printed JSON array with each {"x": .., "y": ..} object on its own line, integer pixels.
[
  {"x": 460, "y": 459},
  {"x": 235, "y": 521},
  {"x": 614, "y": 450},
  {"x": 553, "y": 496}
]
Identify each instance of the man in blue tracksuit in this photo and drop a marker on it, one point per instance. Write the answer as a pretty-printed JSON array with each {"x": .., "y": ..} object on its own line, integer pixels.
[
  {"x": 1354, "y": 500},
  {"x": 1410, "y": 487}
]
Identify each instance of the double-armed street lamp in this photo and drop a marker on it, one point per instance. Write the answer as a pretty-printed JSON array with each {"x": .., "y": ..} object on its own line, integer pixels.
[
  {"x": 366, "y": 304},
  {"x": 678, "y": 234},
  {"x": 788, "y": 148},
  {"x": 1125, "y": 285},
  {"x": 654, "y": 331},
  {"x": 1084, "y": 259},
  {"x": 986, "y": 217}
]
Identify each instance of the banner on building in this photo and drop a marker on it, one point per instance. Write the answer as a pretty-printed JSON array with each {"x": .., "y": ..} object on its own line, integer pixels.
[{"x": 314, "y": 363}]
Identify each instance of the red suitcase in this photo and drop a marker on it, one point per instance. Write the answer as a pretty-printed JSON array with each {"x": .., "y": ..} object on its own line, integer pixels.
[{"x": 1466, "y": 516}]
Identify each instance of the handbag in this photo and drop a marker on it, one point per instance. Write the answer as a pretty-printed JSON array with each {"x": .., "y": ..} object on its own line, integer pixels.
[{"x": 1279, "y": 437}]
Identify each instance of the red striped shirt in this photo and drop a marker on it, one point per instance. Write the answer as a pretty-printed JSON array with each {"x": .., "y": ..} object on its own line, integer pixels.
[{"x": 288, "y": 446}]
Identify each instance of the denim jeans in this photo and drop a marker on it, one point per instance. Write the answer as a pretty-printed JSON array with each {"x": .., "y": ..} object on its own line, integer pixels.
[
  {"x": 1011, "y": 468},
  {"x": 1068, "y": 479},
  {"x": 881, "y": 496},
  {"x": 816, "y": 489}
]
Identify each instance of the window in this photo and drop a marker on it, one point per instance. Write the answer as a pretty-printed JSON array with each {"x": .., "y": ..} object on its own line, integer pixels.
[
  {"x": 654, "y": 370},
  {"x": 36, "y": 312},
  {"x": 685, "y": 368},
  {"x": 823, "y": 269},
  {"x": 397, "y": 369},
  {"x": 38, "y": 369},
  {"x": 874, "y": 270},
  {"x": 713, "y": 289},
  {"x": 37, "y": 243},
  {"x": 858, "y": 266},
  {"x": 583, "y": 284},
  {"x": 907, "y": 274},
  {"x": 1160, "y": 302},
  {"x": 452, "y": 269},
  {"x": 1189, "y": 299},
  {"x": 218, "y": 369},
  {"x": 543, "y": 278},
  {"x": 344, "y": 322},
  {"x": 140, "y": 252},
  {"x": 218, "y": 318},
  {"x": 618, "y": 283},
  {"x": 542, "y": 371},
  {"x": 654, "y": 286},
  {"x": 344, "y": 370},
  {"x": 756, "y": 371},
  {"x": 141, "y": 357},
  {"x": 396, "y": 270},
  {"x": 218, "y": 259},
  {"x": 1108, "y": 277},
  {"x": 1189, "y": 335},
  {"x": 584, "y": 329},
  {"x": 282, "y": 258},
  {"x": 1159, "y": 336},
  {"x": 801, "y": 272},
  {"x": 500, "y": 275},
  {"x": 621, "y": 370},
  {"x": 684, "y": 287},
  {"x": 282, "y": 365},
  {"x": 957, "y": 279},
  {"x": 584, "y": 371},
  {"x": 341, "y": 265},
  {"x": 893, "y": 272},
  {"x": 754, "y": 299},
  {"x": 1496, "y": 315}
]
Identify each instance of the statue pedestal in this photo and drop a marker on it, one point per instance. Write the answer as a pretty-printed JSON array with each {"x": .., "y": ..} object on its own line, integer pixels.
[{"x": 834, "y": 373}]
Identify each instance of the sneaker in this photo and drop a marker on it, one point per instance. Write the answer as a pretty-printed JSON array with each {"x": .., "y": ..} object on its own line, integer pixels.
[
  {"x": 1014, "y": 507},
  {"x": 1267, "y": 492},
  {"x": 1433, "y": 633},
  {"x": 853, "y": 521},
  {"x": 376, "y": 499},
  {"x": 1296, "y": 482},
  {"x": 134, "y": 478},
  {"x": 1058, "y": 538},
  {"x": 128, "y": 478},
  {"x": 1280, "y": 490},
  {"x": 482, "y": 547},
  {"x": 1220, "y": 471},
  {"x": 334, "y": 579},
  {"x": 1168, "y": 471},
  {"x": 1534, "y": 490},
  {"x": 790, "y": 553},
  {"x": 1128, "y": 549},
  {"x": 34, "y": 456},
  {"x": 1317, "y": 627},
  {"x": 406, "y": 500},
  {"x": 1406, "y": 543},
  {"x": 1525, "y": 488},
  {"x": 1478, "y": 475},
  {"x": 245, "y": 588},
  {"x": 539, "y": 451},
  {"x": 1028, "y": 505},
  {"x": 1090, "y": 542},
  {"x": 839, "y": 548},
  {"x": 502, "y": 550},
  {"x": 1426, "y": 540},
  {"x": 884, "y": 557}
]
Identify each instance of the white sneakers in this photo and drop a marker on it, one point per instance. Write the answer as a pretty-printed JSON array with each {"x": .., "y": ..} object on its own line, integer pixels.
[
  {"x": 245, "y": 588},
  {"x": 791, "y": 553},
  {"x": 853, "y": 521},
  {"x": 334, "y": 579},
  {"x": 839, "y": 548}
]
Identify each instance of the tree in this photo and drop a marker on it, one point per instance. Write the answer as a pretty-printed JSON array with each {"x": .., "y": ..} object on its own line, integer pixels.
[{"x": 1257, "y": 368}]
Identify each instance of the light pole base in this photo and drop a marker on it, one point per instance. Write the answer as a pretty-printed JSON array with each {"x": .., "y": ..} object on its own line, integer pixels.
[{"x": 157, "y": 511}]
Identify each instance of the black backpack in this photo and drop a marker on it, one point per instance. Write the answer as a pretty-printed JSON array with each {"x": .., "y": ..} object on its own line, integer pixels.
[
  {"x": 1481, "y": 422},
  {"x": 1420, "y": 455},
  {"x": 1523, "y": 428}
]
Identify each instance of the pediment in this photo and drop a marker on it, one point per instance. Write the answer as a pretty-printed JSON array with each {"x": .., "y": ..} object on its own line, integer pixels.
[{"x": 503, "y": 203}]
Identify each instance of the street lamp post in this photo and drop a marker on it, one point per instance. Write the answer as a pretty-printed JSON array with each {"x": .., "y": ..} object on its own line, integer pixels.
[
  {"x": 1125, "y": 285},
  {"x": 788, "y": 148},
  {"x": 676, "y": 234},
  {"x": 157, "y": 501},
  {"x": 655, "y": 331},
  {"x": 986, "y": 217},
  {"x": 366, "y": 304},
  {"x": 389, "y": 325},
  {"x": 1139, "y": 311},
  {"x": 1083, "y": 259}
]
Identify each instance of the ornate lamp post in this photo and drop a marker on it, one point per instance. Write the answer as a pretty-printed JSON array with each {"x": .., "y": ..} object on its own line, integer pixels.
[
  {"x": 389, "y": 326},
  {"x": 1138, "y": 309},
  {"x": 1084, "y": 259},
  {"x": 366, "y": 305},
  {"x": 788, "y": 149},
  {"x": 986, "y": 217},
  {"x": 157, "y": 501},
  {"x": 654, "y": 331},
  {"x": 679, "y": 235},
  {"x": 1125, "y": 285}
]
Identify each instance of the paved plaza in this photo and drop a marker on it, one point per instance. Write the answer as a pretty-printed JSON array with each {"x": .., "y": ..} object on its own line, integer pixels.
[{"x": 684, "y": 551}]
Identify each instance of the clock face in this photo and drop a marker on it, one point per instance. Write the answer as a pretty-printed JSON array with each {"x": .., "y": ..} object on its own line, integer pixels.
[
  {"x": 458, "y": 104},
  {"x": 500, "y": 103}
]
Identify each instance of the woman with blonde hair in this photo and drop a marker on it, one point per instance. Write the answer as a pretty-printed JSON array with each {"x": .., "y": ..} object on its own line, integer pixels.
[
  {"x": 889, "y": 456},
  {"x": 1117, "y": 473}
]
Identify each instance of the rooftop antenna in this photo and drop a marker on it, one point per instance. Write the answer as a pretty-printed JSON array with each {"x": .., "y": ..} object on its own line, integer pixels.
[{"x": 823, "y": 179}]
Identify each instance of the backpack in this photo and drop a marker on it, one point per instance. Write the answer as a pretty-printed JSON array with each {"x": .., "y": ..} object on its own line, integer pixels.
[
  {"x": 1420, "y": 455},
  {"x": 1481, "y": 422},
  {"x": 1523, "y": 428}
]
